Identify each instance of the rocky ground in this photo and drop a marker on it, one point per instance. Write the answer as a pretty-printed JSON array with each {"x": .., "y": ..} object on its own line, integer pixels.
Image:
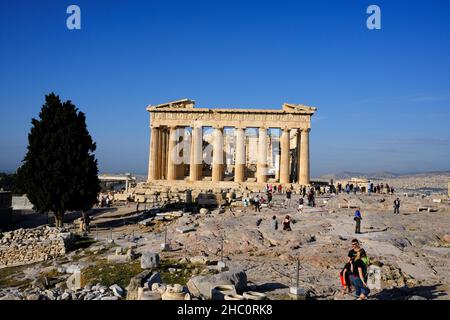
[{"x": 412, "y": 249}]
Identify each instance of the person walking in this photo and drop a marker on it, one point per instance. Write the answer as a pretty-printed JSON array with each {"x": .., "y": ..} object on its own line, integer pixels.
[
  {"x": 397, "y": 206},
  {"x": 257, "y": 203},
  {"x": 359, "y": 275},
  {"x": 357, "y": 219},
  {"x": 301, "y": 202},
  {"x": 288, "y": 197},
  {"x": 269, "y": 199},
  {"x": 274, "y": 223}
]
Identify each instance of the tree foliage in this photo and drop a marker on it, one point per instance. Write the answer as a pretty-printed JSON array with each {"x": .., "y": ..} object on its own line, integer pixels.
[{"x": 59, "y": 171}]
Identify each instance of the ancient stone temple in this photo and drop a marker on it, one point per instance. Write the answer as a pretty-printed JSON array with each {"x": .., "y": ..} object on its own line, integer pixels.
[{"x": 180, "y": 154}]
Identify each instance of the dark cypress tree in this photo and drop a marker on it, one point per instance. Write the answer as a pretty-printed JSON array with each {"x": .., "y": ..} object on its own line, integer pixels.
[{"x": 59, "y": 171}]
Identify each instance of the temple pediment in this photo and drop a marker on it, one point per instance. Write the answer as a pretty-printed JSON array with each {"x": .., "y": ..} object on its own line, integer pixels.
[
  {"x": 298, "y": 107},
  {"x": 183, "y": 103}
]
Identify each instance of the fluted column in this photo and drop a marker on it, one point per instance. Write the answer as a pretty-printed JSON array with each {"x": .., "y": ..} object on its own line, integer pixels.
[
  {"x": 153, "y": 156},
  {"x": 284, "y": 159},
  {"x": 172, "y": 155},
  {"x": 239, "y": 166},
  {"x": 217, "y": 165},
  {"x": 262, "y": 156},
  {"x": 299, "y": 156},
  {"x": 180, "y": 152},
  {"x": 196, "y": 160},
  {"x": 163, "y": 148},
  {"x": 304, "y": 178}
]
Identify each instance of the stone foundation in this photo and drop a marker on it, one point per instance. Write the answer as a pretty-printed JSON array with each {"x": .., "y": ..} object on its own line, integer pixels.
[{"x": 24, "y": 246}]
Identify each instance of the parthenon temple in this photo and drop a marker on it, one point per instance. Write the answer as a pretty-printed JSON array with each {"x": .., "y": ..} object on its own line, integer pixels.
[{"x": 204, "y": 146}]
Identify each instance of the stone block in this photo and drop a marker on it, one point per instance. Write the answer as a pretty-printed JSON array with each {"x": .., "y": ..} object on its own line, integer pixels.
[
  {"x": 136, "y": 282},
  {"x": 185, "y": 229},
  {"x": 201, "y": 285},
  {"x": 199, "y": 260},
  {"x": 297, "y": 293},
  {"x": 149, "y": 260},
  {"x": 117, "y": 290},
  {"x": 74, "y": 281},
  {"x": 122, "y": 258}
]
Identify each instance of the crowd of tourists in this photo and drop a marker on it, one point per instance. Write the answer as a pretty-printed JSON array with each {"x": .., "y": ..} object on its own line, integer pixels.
[{"x": 371, "y": 188}]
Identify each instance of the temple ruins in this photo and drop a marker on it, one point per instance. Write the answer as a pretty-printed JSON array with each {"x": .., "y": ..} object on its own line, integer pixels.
[{"x": 198, "y": 147}]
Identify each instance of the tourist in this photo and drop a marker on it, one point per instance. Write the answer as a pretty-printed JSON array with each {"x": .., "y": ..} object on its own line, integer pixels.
[
  {"x": 397, "y": 205},
  {"x": 356, "y": 246},
  {"x": 274, "y": 223},
  {"x": 347, "y": 188},
  {"x": 358, "y": 219},
  {"x": 280, "y": 188},
  {"x": 345, "y": 276},
  {"x": 269, "y": 199},
  {"x": 300, "y": 205},
  {"x": 257, "y": 204},
  {"x": 359, "y": 275},
  {"x": 288, "y": 197},
  {"x": 304, "y": 191},
  {"x": 287, "y": 223}
]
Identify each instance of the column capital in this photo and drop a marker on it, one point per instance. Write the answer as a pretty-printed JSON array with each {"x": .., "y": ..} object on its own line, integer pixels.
[
  {"x": 155, "y": 126},
  {"x": 240, "y": 127},
  {"x": 218, "y": 126},
  {"x": 305, "y": 130}
]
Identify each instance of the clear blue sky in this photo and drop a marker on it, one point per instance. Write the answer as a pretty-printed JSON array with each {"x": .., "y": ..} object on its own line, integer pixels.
[{"x": 383, "y": 96}]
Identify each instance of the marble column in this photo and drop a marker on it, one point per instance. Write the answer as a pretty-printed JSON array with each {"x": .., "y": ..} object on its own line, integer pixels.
[
  {"x": 217, "y": 165},
  {"x": 172, "y": 155},
  {"x": 153, "y": 157},
  {"x": 196, "y": 154},
  {"x": 284, "y": 159},
  {"x": 299, "y": 156},
  {"x": 262, "y": 156},
  {"x": 163, "y": 160},
  {"x": 304, "y": 178},
  {"x": 239, "y": 165},
  {"x": 181, "y": 131}
]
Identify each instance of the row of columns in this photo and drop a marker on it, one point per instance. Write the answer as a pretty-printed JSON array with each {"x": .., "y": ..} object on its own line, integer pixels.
[{"x": 162, "y": 163}]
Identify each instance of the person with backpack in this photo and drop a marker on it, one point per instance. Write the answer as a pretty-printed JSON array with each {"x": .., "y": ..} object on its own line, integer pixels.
[{"x": 357, "y": 219}]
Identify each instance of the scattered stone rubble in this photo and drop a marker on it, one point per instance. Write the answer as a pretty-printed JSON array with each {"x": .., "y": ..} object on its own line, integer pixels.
[
  {"x": 96, "y": 292},
  {"x": 24, "y": 246}
]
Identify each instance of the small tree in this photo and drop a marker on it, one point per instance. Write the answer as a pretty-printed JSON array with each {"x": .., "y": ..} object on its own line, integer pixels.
[{"x": 59, "y": 171}]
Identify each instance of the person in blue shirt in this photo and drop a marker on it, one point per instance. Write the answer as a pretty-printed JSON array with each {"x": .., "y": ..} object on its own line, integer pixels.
[{"x": 358, "y": 219}]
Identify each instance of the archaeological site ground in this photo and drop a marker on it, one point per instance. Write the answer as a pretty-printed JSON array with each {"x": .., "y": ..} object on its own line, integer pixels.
[{"x": 264, "y": 154}]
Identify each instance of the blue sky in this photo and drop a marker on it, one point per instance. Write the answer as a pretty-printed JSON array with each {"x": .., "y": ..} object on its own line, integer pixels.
[{"x": 383, "y": 96}]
